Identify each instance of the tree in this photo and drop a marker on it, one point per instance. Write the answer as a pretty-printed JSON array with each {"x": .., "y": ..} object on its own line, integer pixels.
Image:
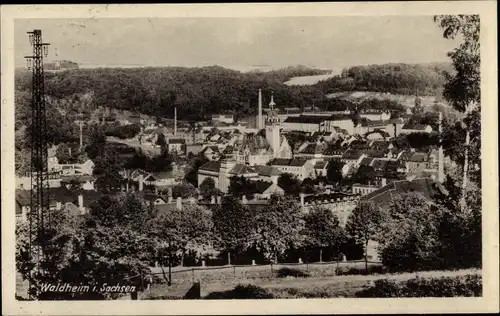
[
  {"x": 107, "y": 245},
  {"x": 289, "y": 183},
  {"x": 177, "y": 230},
  {"x": 160, "y": 163},
  {"x": 160, "y": 140},
  {"x": 278, "y": 227},
  {"x": 191, "y": 175},
  {"x": 334, "y": 171},
  {"x": 365, "y": 174},
  {"x": 322, "y": 230},
  {"x": 362, "y": 225},
  {"x": 308, "y": 186},
  {"x": 107, "y": 171},
  {"x": 208, "y": 189},
  {"x": 183, "y": 190},
  {"x": 233, "y": 226},
  {"x": 408, "y": 237},
  {"x": 239, "y": 186},
  {"x": 459, "y": 232},
  {"x": 96, "y": 142},
  {"x": 463, "y": 89}
]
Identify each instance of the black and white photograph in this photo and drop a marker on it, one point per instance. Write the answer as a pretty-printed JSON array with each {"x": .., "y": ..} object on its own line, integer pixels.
[{"x": 207, "y": 158}]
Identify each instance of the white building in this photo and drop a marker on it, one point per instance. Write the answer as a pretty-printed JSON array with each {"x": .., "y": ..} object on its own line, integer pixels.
[{"x": 300, "y": 168}]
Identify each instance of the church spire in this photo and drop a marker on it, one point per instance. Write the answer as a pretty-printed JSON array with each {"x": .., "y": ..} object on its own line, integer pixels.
[{"x": 272, "y": 104}]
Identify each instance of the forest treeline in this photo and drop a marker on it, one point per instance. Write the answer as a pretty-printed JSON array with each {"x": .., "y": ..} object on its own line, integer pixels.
[{"x": 199, "y": 92}]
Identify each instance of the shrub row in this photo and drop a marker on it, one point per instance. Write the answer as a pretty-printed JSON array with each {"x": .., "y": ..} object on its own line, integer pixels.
[{"x": 465, "y": 286}]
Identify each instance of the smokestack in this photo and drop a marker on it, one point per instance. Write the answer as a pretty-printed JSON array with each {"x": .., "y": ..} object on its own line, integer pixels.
[
  {"x": 259, "y": 119},
  {"x": 175, "y": 121},
  {"x": 440, "y": 153}
]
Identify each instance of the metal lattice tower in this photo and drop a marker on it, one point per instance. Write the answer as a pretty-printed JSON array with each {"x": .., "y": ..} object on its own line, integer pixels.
[{"x": 39, "y": 214}]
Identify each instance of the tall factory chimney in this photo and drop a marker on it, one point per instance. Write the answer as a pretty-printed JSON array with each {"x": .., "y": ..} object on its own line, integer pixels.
[
  {"x": 175, "y": 121},
  {"x": 259, "y": 117},
  {"x": 440, "y": 153}
]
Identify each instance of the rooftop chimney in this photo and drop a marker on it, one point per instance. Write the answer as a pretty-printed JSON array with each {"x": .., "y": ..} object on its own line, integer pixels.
[
  {"x": 169, "y": 194},
  {"x": 179, "y": 203},
  {"x": 212, "y": 200},
  {"x": 244, "y": 199},
  {"x": 302, "y": 195},
  {"x": 384, "y": 182}
]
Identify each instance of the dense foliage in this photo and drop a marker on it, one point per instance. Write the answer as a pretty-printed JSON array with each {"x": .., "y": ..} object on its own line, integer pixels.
[
  {"x": 425, "y": 79},
  {"x": 460, "y": 286},
  {"x": 198, "y": 92},
  {"x": 106, "y": 245}
]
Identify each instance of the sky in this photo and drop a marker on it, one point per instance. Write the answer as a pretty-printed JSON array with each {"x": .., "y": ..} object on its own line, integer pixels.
[{"x": 323, "y": 42}]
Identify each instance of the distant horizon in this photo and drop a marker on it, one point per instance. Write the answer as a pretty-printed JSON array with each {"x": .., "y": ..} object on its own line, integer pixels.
[
  {"x": 241, "y": 68},
  {"x": 317, "y": 42}
]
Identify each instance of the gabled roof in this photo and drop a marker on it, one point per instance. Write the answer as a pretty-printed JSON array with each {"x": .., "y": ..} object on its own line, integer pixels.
[
  {"x": 334, "y": 149},
  {"x": 314, "y": 148},
  {"x": 262, "y": 186},
  {"x": 305, "y": 119},
  {"x": 340, "y": 117},
  {"x": 267, "y": 171},
  {"x": 295, "y": 162},
  {"x": 379, "y": 164},
  {"x": 352, "y": 154},
  {"x": 213, "y": 166},
  {"x": 366, "y": 161},
  {"x": 320, "y": 164},
  {"x": 213, "y": 148},
  {"x": 23, "y": 197},
  {"x": 240, "y": 169},
  {"x": 424, "y": 186},
  {"x": 256, "y": 144},
  {"x": 375, "y": 153}
]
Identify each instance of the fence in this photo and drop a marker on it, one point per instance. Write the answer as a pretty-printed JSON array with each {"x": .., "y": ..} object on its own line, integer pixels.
[{"x": 264, "y": 271}]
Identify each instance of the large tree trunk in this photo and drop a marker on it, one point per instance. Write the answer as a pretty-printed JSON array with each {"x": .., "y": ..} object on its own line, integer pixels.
[
  {"x": 366, "y": 255},
  {"x": 463, "y": 201}
]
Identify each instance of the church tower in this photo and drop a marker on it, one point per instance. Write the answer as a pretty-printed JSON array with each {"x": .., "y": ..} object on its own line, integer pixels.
[{"x": 273, "y": 128}]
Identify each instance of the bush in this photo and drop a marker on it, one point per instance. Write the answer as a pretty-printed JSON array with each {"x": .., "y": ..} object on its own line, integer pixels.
[
  {"x": 372, "y": 269},
  {"x": 465, "y": 286},
  {"x": 296, "y": 273},
  {"x": 241, "y": 292}
]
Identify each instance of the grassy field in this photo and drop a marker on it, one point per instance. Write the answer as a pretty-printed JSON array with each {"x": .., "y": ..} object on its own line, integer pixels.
[{"x": 320, "y": 281}]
